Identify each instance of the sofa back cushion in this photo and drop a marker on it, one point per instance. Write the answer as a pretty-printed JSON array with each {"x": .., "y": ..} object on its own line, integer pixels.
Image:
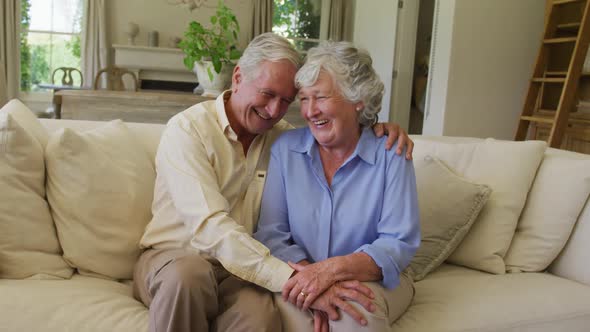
[
  {"x": 100, "y": 187},
  {"x": 509, "y": 169},
  {"x": 147, "y": 134},
  {"x": 28, "y": 243},
  {"x": 554, "y": 203},
  {"x": 572, "y": 261}
]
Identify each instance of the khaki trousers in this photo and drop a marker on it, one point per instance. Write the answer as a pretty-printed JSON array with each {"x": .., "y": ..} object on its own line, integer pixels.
[
  {"x": 186, "y": 292},
  {"x": 391, "y": 304}
]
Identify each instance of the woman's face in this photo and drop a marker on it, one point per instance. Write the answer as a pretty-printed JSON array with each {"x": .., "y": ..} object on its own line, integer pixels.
[{"x": 331, "y": 118}]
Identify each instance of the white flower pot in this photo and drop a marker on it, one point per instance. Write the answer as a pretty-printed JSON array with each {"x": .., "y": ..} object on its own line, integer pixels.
[{"x": 220, "y": 82}]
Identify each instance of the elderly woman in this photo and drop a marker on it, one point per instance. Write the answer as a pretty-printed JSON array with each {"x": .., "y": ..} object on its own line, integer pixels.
[{"x": 339, "y": 207}]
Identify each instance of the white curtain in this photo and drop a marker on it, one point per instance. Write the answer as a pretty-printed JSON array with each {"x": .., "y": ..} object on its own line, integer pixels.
[
  {"x": 340, "y": 21},
  {"x": 9, "y": 46},
  {"x": 94, "y": 42},
  {"x": 262, "y": 17}
]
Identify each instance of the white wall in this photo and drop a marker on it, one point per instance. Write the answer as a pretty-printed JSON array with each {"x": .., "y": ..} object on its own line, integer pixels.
[
  {"x": 169, "y": 20},
  {"x": 374, "y": 29},
  {"x": 483, "y": 56}
]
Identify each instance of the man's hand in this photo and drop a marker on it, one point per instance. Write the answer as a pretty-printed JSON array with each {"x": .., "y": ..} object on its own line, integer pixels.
[
  {"x": 320, "y": 321},
  {"x": 336, "y": 298},
  {"x": 395, "y": 132}
]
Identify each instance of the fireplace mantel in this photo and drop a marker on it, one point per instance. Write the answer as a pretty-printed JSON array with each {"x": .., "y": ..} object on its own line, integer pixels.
[{"x": 154, "y": 63}]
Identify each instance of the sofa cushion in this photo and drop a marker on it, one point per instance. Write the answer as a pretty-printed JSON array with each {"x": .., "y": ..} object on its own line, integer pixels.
[
  {"x": 79, "y": 304},
  {"x": 100, "y": 188},
  {"x": 458, "y": 299},
  {"x": 449, "y": 204},
  {"x": 570, "y": 262},
  {"x": 28, "y": 244},
  {"x": 556, "y": 199},
  {"x": 509, "y": 169}
]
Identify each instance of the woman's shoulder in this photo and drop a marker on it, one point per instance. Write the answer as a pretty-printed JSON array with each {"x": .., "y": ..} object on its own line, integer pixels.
[
  {"x": 293, "y": 138},
  {"x": 388, "y": 156}
]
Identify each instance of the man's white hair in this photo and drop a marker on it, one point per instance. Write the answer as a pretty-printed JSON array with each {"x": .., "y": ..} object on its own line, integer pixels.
[{"x": 267, "y": 47}]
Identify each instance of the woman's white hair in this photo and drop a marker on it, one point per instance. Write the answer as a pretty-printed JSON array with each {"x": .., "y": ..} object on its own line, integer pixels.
[
  {"x": 352, "y": 70},
  {"x": 267, "y": 47}
]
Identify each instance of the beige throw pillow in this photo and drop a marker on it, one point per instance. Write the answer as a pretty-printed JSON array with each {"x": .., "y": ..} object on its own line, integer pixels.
[
  {"x": 507, "y": 167},
  {"x": 556, "y": 199},
  {"x": 449, "y": 205},
  {"x": 100, "y": 187},
  {"x": 28, "y": 243}
]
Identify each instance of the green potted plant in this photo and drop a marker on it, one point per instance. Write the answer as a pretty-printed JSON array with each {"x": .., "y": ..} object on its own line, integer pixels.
[{"x": 211, "y": 51}]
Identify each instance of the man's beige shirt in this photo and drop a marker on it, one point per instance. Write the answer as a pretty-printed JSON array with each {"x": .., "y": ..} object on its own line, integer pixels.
[{"x": 207, "y": 194}]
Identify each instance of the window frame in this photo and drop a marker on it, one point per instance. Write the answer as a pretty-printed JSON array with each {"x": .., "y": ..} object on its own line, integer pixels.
[{"x": 43, "y": 96}]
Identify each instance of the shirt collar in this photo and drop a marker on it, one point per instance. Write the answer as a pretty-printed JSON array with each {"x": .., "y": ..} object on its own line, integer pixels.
[
  {"x": 366, "y": 147},
  {"x": 222, "y": 115}
]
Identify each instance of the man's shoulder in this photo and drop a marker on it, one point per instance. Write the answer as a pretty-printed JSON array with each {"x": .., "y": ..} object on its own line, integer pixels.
[{"x": 199, "y": 115}]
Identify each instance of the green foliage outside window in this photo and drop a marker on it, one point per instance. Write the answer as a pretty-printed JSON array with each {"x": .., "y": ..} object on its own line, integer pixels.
[
  {"x": 74, "y": 46},
  {"x": 25, "y": 51},
  {"x": 39, "y": 67},
  {"x": 297, "y": 19}
]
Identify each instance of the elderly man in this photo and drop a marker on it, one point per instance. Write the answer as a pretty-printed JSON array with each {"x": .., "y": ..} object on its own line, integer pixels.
[{"x": 201, "y": 269}]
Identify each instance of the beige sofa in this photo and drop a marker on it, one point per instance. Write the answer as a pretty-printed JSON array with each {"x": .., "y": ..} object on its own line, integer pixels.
[{"x": 73, "y": 204}]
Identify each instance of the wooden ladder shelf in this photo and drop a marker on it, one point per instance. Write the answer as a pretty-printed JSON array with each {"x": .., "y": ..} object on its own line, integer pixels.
[{"x": 557, "y": 34}]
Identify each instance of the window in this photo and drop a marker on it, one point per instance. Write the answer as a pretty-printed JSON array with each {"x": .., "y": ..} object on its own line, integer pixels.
[
  {"x": 300, "y": 21},
  {"x": 50, "y": 38}
]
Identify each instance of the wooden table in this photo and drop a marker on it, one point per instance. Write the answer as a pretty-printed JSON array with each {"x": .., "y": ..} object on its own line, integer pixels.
[
  {"x": 54, "y": 100},
  {"x": 147, "y": 106}
]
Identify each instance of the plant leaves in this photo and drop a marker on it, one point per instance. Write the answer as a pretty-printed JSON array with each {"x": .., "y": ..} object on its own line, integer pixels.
[{"x": 217, "y": 43}]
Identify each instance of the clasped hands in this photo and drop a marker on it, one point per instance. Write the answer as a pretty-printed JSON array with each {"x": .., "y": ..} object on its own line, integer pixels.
[{"x": 316, "y": 286}]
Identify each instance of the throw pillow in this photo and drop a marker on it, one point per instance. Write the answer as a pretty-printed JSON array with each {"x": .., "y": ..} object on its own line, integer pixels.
[
  {"x": 28, "y": 244},
  {"x": 449, "y": 205},
  {"x": 556, "y": 199},
  {"x": 507, "y": 167},
  {"x": 100, "y": 186}
]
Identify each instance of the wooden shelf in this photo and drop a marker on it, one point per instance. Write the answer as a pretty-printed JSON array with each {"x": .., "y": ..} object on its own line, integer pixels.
[
  {"x": 548, "y": 80},
  {"x": 542, "y": 119},
  {"x": 569, "y": 26},
  {"x": 564, "y": 2},
  {"x": 556, "y": 73},
  {"x": 560, "y": 40}
]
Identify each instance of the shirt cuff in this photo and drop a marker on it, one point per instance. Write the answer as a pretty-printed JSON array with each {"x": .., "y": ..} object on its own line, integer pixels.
[
  {"x": 388, "y": 270},
  {"x": 274, "y": 274},
  {"x": 292, "y": 254}
]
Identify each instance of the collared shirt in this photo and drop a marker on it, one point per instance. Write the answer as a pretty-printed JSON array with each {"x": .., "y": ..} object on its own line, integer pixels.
[
  {"x": 207, "y": 193},
  {"x": 371, "y": 206}
]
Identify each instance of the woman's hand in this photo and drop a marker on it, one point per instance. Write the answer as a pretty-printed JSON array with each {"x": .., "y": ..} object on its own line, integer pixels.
[
  {"x": 336, "y": 298},
  {"x": 309, "y": 282},
  {"x": 395, "y": 132}
]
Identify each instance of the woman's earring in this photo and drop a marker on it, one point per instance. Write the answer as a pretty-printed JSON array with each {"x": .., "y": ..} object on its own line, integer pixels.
[{"x": 358, "y": 108}]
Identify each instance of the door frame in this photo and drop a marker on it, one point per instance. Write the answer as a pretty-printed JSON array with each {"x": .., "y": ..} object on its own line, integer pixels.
[{"x": 403, "y": 63}]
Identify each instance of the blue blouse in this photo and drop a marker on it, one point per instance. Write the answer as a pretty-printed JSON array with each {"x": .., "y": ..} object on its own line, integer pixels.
[{"x": 371, "y": 207}]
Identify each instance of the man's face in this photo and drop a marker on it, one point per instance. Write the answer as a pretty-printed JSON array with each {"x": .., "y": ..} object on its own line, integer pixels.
[{"x": 263, "y": 100}]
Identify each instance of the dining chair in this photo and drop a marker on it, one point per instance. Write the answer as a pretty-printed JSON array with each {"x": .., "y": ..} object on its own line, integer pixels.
[
  {"x": 66, "y": 76},
  {"x": 116, "y": 79}
]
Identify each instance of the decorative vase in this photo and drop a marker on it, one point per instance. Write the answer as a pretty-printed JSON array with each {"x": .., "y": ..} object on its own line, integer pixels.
[
  {"x": 132, "y": 31},
  {"x": 220, "y": 82}
]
